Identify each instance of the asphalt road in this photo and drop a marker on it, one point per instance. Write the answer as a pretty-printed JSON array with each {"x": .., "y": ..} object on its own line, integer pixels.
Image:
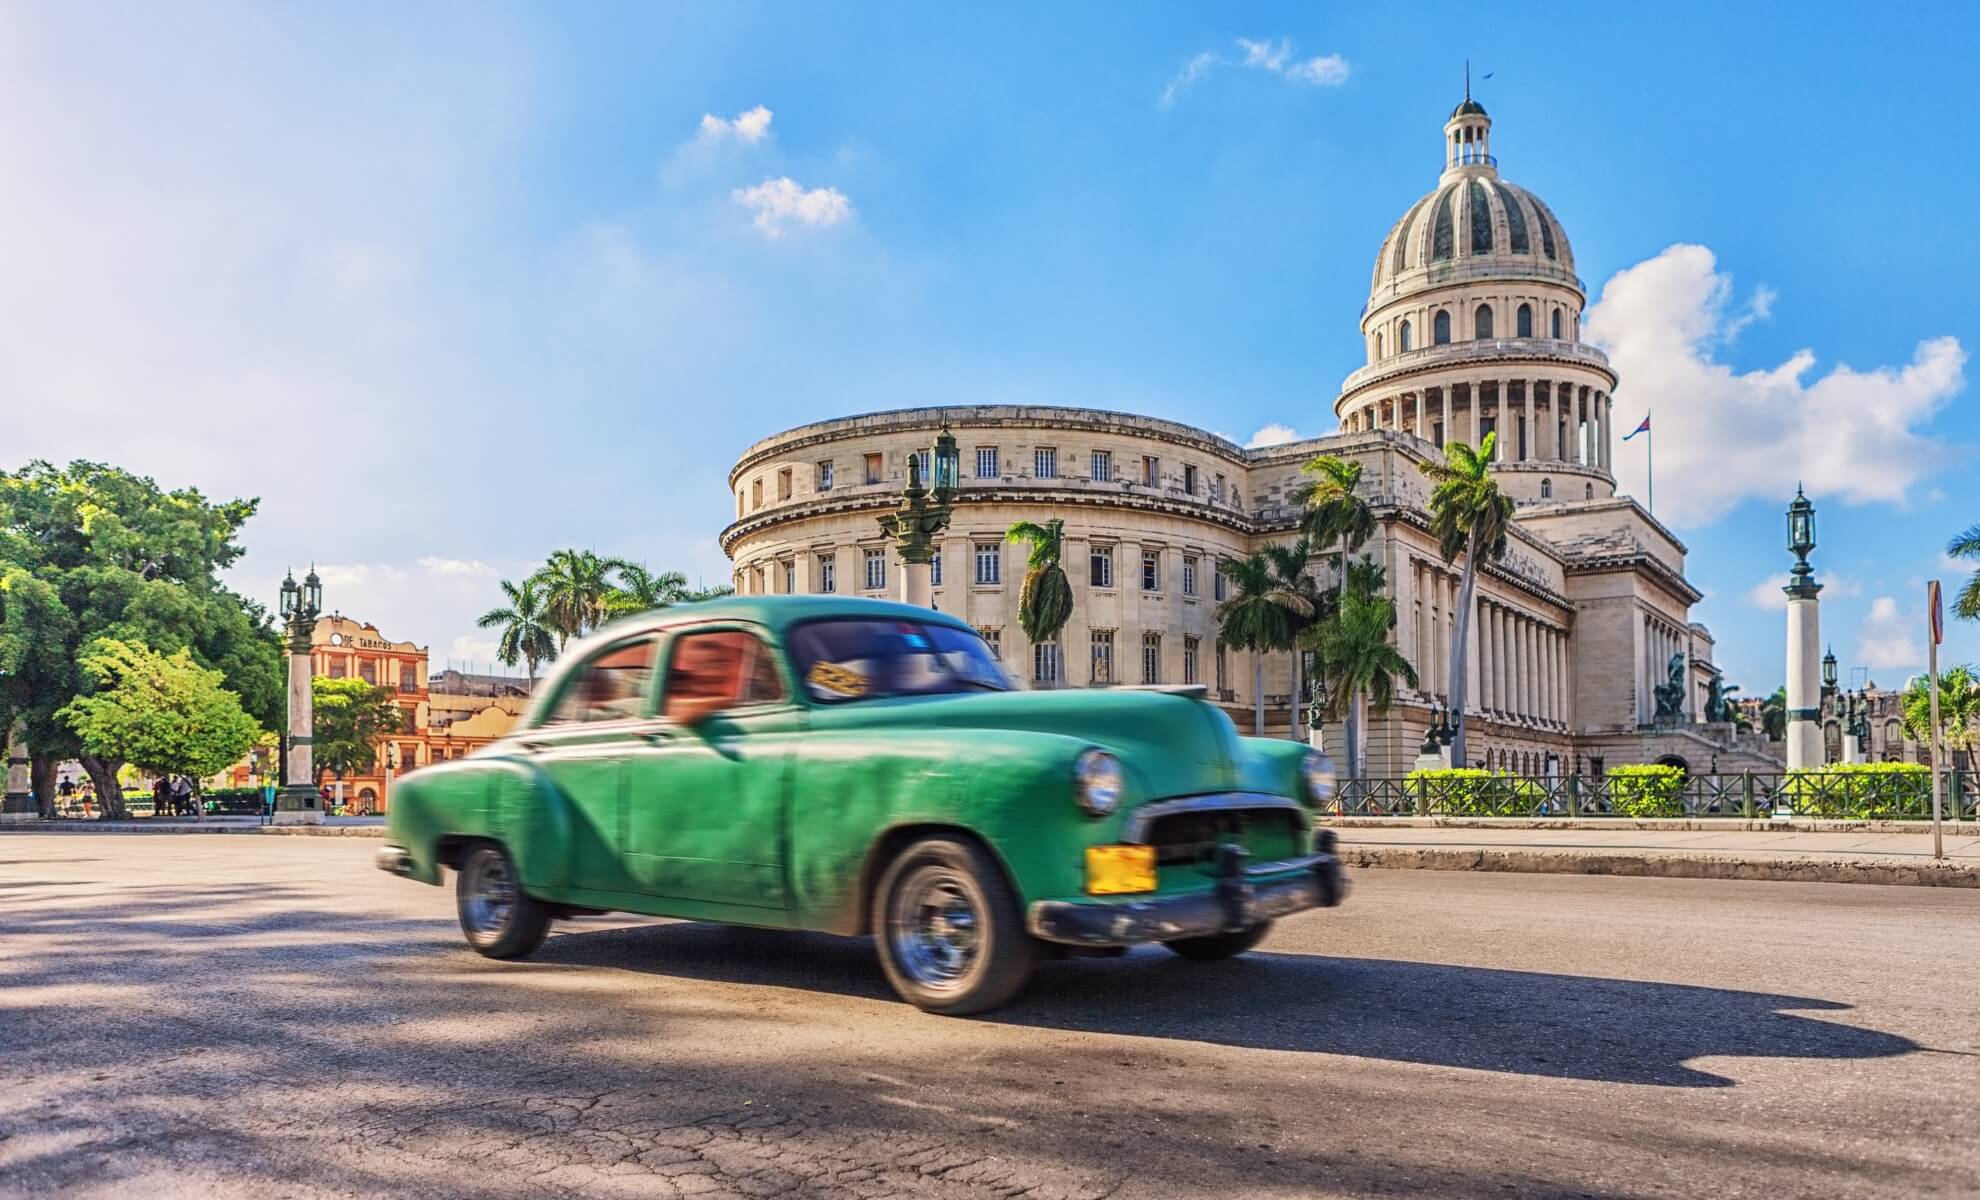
[{"x": 271, "y": 1017}]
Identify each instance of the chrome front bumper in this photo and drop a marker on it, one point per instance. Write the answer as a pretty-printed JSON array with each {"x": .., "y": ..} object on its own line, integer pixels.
[{"x": 396, "y": 860}]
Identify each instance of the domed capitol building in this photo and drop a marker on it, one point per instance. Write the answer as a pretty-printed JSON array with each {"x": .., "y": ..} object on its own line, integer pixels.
[{"x": 1473, "y": 326}]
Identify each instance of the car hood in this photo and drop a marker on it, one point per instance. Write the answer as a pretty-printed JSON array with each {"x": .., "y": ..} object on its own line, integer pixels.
[{"x": 1174, "y": 744}]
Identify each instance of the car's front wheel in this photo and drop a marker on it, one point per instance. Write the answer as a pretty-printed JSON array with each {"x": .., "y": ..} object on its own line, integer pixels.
[
  {"x": 950, "y": 931},
  {"x": 1220, "y": 945},
  {"x": 498, "y": 917}
]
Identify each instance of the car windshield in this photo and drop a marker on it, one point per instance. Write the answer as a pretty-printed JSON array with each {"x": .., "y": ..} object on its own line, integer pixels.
[{"x": 867, "y": 659}]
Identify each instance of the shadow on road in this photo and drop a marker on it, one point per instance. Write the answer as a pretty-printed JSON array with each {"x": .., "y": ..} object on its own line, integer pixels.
[{"x": 1523, "y": 1022}]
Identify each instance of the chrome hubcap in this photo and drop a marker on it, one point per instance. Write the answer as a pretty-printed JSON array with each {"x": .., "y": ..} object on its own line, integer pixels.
[
  {"x": 934, "y": 928},
  {"x": 491, "y": 895}
]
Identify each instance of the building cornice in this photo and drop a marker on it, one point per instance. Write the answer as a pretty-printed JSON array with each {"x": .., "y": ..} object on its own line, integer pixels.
[{"x": 1411, "y": 364}]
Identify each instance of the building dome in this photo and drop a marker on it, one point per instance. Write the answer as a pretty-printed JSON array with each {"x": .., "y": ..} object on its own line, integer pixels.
[{"x": 1469, "y": 221}]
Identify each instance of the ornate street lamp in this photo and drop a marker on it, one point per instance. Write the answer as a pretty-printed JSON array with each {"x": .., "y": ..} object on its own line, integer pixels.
[
  {"x": 1801, "y": 534},
  {"x": 923, "y": 513},
  {"x": 1804, "y": 637},
  {"x": 300, "y": 606},
  {"x": 1829, "y": 670}
]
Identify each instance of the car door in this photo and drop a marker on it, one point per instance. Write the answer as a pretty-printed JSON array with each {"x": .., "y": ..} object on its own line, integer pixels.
[
  {"x": 708, "y": 786},
  {"x": 584, "y": 746}
]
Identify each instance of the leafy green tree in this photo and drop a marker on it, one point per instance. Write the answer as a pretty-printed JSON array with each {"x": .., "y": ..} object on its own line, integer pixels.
[
  {"x": 1966, "y": 544},
  {"x": 577, "y": 591},
  {"x": 1959, "y": 710},
  {"x": 89, "y": 551},
  {"x": 352, "y": 717},
  {"x": 164, "y": 713},
  {"x": 1773, "y": 715},
  {"x": 1045, "y": 602},
  {"x": 1361, "y": 664},
  {"x": 1300, "y": 596},
  {"x": 639, "y": 589},
  {"x": 524, "y": 621},
  {"x": 1257, "y": 616},
  {"x": 1332, "y": 514},
  {"x": 1470, "y": 516}
]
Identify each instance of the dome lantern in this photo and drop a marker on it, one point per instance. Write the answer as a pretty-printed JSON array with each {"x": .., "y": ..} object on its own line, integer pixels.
[{"x": 1468, "y": 135}]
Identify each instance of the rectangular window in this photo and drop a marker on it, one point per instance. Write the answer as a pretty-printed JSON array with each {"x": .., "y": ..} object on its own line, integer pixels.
[
  {"x": 1151, "y": 570},
  {"x": 1045, "y": 462},
  {"x": 989, "y": 562},
  {"x": 986, "y": 462},
  {"x": 828, "y": 572},
  {"x": 993, "y": 638},
  {"x": 1151, "y": 470},
  {"x": 1045, "y": 662},
  {"x": 1217, "y": 585},
  {"x": 921, "y": 465},
  {"x": 935, "y": 570},
  {"x": 1217, "y": 488},
  {"x": 825, "y": 475},
  {"x": 1151, "y": 658},
  {"x": 1103, "y": 466},
  {"x": 1222, "y": 684},
  {"x": 1103, "y": 656},
  {"x": 873, "y": 462},
  {"x": 784, "y": 484},
  {"x": 1189, "y": 660},
  {"x": 876, "y": 570},
  {"x": 1189, "y": 574},
  {"x": 1100, "y": 567},
  {"x": 755, "y": 494},
  {"x": 790, "y": 576},
  {"x": 1189, "y": 480}
]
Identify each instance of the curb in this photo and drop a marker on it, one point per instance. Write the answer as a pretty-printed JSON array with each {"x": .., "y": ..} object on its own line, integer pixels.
[
  {"x": 358, "y": 831},
  {"x": 1669, "y": 824},
  {"x": 1665, "y": 866}
]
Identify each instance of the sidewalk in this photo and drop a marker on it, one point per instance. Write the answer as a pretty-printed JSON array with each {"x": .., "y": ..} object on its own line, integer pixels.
[
  {"x": 331, "y": 827},
  {"x": 1828, "y": 856}
]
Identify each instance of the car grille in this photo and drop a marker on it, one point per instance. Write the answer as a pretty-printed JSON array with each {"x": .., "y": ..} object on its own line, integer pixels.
[{"x": 1192, "y": 837}]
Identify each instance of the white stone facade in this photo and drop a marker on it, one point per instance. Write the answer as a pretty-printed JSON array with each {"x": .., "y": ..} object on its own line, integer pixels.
[{"x": 1573, "y": 631}]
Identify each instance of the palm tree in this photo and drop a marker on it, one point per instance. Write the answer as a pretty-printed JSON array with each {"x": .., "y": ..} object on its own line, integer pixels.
[
  {"x": 1257, "y": 617},
  {"x": 1773, "y": 715},
  {"x": 1959, "y": 710},
  {"x": 1966, "y": 605},
  {"x": 576, "y": 585},
  {"x": 1470, "y": 516},
  {"x": 1045, "y": 602},
  {"x": 1300, "y": 597},
  {"x": 639, "y": 589},
  {"x": 1361, "y": 664},
  {"x": 526, "y": 633},
  {"x": 1334, "y": 515}
]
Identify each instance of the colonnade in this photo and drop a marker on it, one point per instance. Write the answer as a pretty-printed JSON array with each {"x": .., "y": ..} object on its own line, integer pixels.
[
  {"x": 1519, "y": 660},
  {"x": 1537, "y": 420},
  {"x": 1662, "y": 639}
]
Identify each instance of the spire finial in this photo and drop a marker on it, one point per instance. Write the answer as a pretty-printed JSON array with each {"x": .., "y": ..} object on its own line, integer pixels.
[{"x": 1467, "y": 79}]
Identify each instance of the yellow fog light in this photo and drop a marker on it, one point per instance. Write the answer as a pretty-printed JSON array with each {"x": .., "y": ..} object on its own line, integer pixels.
[{"x": 1112, "y": 870}]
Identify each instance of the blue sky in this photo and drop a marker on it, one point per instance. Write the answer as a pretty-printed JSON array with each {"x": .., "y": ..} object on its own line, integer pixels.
[{"x": 453, "y": 288}]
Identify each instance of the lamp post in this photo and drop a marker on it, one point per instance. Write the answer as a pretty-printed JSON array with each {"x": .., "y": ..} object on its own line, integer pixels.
[
  {"x": 391, "y": 765},
  {"x": 923, "y": 513},
  {"x": 1804, "y": 635},
  {"x": 297, "y": 803}
]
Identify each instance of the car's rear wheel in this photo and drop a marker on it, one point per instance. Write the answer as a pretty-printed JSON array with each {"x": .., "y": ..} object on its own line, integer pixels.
[
  {"x": 500, "y": 919},
  {"x": 1220, "y": 945},
  {"x": 949, "y": 929}
]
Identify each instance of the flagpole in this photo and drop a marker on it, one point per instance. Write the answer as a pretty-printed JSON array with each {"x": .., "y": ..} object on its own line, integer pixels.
[{"x": 1650, "y": 465}]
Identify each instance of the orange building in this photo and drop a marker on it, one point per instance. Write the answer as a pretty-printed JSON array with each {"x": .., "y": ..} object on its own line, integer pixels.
[{"x": 457, "y": 714}]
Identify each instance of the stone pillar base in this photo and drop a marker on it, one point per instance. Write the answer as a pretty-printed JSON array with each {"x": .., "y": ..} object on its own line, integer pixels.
[
  {"x": 298, "y": 806},
  {"x": 15, "y": 816}
]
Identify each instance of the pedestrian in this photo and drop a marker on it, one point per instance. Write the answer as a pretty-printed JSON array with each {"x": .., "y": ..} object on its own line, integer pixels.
[
  {"x": 161, "y": 798},
  {"x": 182, "y": 795}
]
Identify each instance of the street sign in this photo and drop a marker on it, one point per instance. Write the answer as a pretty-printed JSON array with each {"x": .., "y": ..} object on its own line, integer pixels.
[{"x": 1936, "y": 608}]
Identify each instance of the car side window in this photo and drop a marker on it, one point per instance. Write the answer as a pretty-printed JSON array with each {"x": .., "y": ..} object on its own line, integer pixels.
[
  {"x": 720, "y": 669},
  {"x": 612, "y": 686}
]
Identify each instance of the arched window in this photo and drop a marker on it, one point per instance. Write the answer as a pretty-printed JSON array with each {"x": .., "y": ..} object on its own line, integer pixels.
[
  {"x": 1481, "y": 322},
  {"x": 1402, "y": 339},
  {"x": 1378, "y": 345},
  {"x": 1546, "y": 489},
  {"x": 1557, "y": 324},
  {"x": 1440, "y": 328},
  {"x": 1524, "y": 326},
  {"x": 1588, "y": 491}
]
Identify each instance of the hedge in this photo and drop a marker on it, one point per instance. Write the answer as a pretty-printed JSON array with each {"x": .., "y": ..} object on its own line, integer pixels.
[
  {"x": 1473, "y": 792},
  {"x": 1646, "y": 790},
  {"x": 1871, "y": 791}
]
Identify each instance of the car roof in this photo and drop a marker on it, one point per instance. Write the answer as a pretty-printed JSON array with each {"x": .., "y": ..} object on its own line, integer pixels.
[{"x": 777, "y": 612}]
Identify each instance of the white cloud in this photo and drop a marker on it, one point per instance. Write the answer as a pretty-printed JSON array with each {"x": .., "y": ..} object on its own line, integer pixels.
[
  {"x": 779, "y": 202},
  {"x": 1889, "y": 639},
  {"x": 1725, "y": 436},
  {"x": 470, "y": 652},
  {"x": 1768, "y": 594},
  {"x": 1271, "y": 56},
  {"x": 750, "y": 127},
  {"x": 472, "y": 568},
  {"x": 1273, "y": 434}
]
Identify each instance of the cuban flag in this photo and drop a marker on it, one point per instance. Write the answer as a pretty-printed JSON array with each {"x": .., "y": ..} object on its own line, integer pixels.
[{"x": 1643, "y": 428}]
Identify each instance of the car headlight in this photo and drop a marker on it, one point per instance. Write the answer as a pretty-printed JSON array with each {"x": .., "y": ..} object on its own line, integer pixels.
[
  {"x": 1097, "y": 782},
  {"x": 1316, "y": 771}
]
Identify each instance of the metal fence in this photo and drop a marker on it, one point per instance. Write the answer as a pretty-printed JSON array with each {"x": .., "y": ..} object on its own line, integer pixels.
[{"x": 1832, "y": 795}]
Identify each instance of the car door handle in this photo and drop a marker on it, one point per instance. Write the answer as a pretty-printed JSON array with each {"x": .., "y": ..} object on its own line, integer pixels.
[{"x": 656, "y": 737}]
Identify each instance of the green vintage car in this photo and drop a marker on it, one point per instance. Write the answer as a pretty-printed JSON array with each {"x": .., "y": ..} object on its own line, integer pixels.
[{"x": 862, "y": 767}]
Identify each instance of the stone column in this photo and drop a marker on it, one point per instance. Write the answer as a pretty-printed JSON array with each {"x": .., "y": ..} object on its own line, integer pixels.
[
  {"x": 297, "y": 803},
  {"x": 1526, "y": 425},
  {"x": 1804, "y": 680},
  {"x": 917, "y": 587},
  {"x": 1498, "y": 700},
  {"x": 1446, "y": 395},
  {"x": 18, "y": 804}
]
